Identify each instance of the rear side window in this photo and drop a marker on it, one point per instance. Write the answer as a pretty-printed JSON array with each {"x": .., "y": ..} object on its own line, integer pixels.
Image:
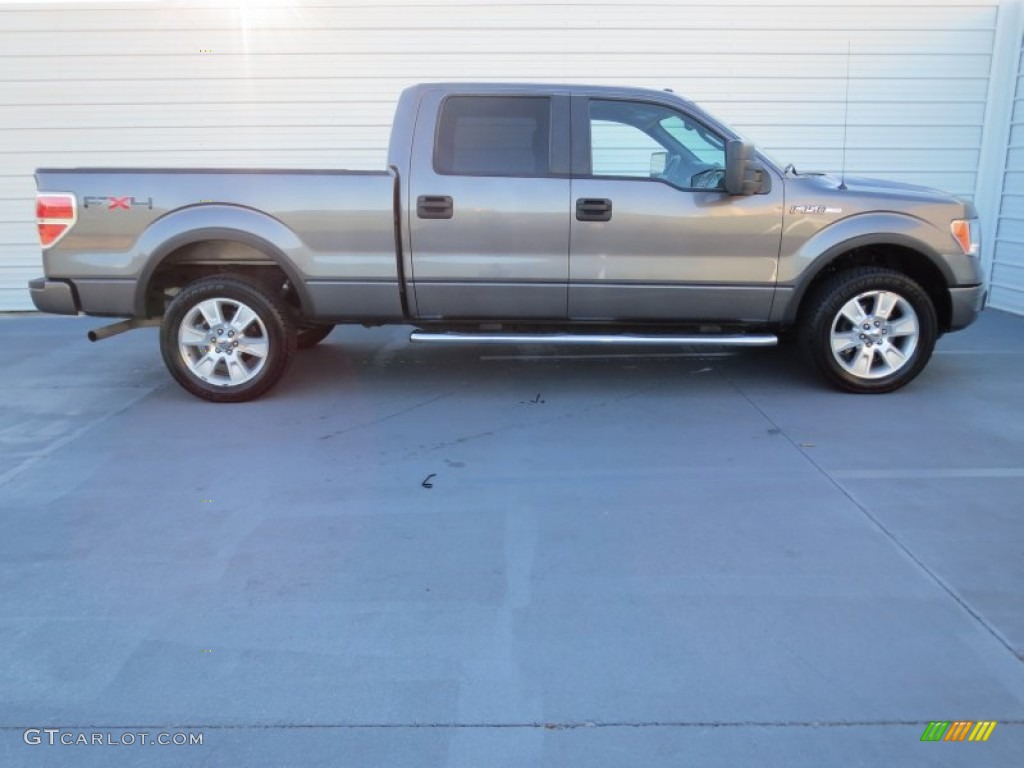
[{"x": 494, "y": 136}]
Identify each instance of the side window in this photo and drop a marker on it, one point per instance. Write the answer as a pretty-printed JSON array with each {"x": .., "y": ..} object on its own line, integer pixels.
[
  {"x": 636, "y": 139},
  {"x": 494, "y": 136},
  {"x": 618, "y": 149},
  {"x": 705, "y": 146}
]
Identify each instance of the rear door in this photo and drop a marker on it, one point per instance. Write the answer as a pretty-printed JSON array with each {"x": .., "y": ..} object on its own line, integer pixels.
[
  {"x": 654, "y": 234},
  {"x": 489, "y": 206}
]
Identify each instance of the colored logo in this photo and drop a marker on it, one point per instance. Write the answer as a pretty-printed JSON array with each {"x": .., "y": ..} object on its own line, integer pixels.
[
  {"x": 111, "y": 203},
  {"x": 958, "y": 730}
]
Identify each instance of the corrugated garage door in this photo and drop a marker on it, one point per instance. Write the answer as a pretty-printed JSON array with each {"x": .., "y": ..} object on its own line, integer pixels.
[
  {"x": 1007, "y": 285},
  {"x": 310, "y": 84}
]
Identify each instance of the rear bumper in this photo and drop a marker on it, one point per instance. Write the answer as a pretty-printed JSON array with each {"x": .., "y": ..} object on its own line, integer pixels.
[
  {"x": 54, "y": 296},
  {"x": 966, "y": 304},
  {"x": 91, "y": 296}
]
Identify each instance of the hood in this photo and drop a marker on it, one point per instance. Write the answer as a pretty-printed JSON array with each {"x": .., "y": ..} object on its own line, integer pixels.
[
  {"x": 867, "y": 194},
  {"x": 869, "y": 186}
]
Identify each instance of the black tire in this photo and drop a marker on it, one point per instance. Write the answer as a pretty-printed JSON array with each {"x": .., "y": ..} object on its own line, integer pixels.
[
  {"x": 309, "y": 335},
  {"x": 208, "y": 366},
  {"x": 878, "y": 354}
]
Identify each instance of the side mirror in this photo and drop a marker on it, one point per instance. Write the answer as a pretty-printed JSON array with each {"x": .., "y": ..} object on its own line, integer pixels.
[
  {"x": 743, "y": 175},
  {"x": 659, "y": 161}
]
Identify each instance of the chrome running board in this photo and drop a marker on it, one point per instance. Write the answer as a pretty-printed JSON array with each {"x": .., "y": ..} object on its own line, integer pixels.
[{"x": 626, "y": 339}]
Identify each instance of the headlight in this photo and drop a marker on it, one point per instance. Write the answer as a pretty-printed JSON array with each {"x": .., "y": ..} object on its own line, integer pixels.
[{"x": 967, "y": 234}]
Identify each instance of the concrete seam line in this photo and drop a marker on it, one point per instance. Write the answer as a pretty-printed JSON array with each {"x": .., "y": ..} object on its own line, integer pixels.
[
  {"x": 967, "y": 473},
  {"x": 885, "y": 531},
  {"x": 55, "y": 446}
]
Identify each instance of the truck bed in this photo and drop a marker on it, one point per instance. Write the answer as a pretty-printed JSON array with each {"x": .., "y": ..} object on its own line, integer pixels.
[{"x": 335, "y": 227}]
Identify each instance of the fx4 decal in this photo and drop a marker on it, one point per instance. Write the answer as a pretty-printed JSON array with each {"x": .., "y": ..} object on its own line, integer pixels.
[{"x": 112, "y": 203}]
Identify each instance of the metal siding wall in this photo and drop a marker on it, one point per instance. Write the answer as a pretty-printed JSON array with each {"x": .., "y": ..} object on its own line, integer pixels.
[
  {"x": 313, "y": 84},
  {"x": 1007, "y": 281}
]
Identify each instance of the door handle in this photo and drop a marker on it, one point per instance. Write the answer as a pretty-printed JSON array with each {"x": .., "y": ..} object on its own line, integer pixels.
[
  {"x": 593, "y": 209},
  {"x": 435, "y": 207}
]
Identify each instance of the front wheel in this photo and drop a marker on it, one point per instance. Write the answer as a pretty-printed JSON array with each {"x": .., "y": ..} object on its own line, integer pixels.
[
  {"x": 227, "y": 339},
  {"x": 869, "y": 330}
]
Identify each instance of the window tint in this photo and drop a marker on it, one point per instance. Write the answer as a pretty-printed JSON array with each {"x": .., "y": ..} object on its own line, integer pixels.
[
  {"x": 642, "y": 140},
  {"x": 494, "y": 136},
  {"x": 705, "y": 146},
  {"x": 618, "y": 149}
]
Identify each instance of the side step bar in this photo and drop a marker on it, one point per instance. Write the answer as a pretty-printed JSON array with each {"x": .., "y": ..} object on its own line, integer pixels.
[{"x": 650, "y": 340}]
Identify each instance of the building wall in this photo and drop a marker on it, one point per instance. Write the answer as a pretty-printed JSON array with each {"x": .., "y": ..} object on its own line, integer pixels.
[
  {"x": 313, "y": 84},
  {"x": 1007, "y": 281}
]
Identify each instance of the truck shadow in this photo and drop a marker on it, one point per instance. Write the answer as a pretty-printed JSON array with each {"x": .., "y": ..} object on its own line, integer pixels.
[{"x": 384, "y": 360}]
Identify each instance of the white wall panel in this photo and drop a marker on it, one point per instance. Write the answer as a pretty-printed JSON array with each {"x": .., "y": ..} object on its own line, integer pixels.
[
  {"x": 312, "y": 83},
  {"x": 1007, "y": 280}
]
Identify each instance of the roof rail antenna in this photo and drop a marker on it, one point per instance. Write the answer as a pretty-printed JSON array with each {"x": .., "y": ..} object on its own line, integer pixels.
[
  {"x": 846, "y": 117},
  {"x": 669, "y": 90}
]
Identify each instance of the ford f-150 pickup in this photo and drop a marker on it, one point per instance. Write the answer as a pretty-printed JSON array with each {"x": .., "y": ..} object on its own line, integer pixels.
[{"x": 516, "y": 213}]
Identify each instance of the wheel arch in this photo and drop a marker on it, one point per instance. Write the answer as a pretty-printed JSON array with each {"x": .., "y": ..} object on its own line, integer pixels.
[
  {"x": 904, "y": 254},
  {"x": 176, "y": 236}
]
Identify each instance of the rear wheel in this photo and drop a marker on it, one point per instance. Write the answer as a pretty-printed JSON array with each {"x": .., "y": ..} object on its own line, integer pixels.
[
  {"x": 869, "y": 330},
  {"x": 226, "y": 339},
  {"x": 309, "y": 335}
]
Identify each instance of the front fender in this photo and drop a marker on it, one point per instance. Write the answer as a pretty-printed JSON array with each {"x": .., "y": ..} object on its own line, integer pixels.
[
  {"x": 804, "y": 258},
  {"x": 219, "y": 222}
]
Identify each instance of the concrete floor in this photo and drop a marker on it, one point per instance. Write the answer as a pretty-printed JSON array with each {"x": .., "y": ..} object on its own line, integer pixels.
[{"x": 659, "y": 560}]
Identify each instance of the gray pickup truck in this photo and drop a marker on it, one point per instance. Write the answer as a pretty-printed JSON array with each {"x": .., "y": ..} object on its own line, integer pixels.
[{"x": 516, "y": 213}]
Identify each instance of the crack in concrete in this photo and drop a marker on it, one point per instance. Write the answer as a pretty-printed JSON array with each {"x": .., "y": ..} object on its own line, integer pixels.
[
  {"x": 382, "y": 419},
  {"x": 71, "y": 437}
]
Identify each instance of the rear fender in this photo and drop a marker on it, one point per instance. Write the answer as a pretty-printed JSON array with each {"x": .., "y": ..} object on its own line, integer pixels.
[{"x": 220, "y": 222}]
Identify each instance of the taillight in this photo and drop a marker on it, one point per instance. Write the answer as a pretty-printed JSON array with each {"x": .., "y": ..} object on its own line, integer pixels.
[{"x": 55, "y": 215}]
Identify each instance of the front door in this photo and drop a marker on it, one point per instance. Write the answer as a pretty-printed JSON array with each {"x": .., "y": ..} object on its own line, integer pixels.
[{"x": 654, "y": 236}]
